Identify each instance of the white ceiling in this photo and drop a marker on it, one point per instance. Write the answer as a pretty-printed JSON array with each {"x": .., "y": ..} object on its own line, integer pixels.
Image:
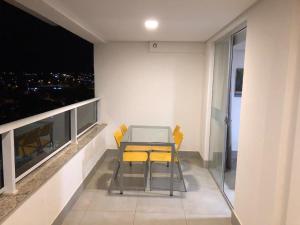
[
  {"x": 180, "y": 20},
  {"x": 123, "y": 20}
]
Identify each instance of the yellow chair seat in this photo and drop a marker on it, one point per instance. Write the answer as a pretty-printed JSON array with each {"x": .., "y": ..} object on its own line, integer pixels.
[
  {"x": 137, "y": 148},
  {"x": 45, "y": 142},
  {"x": 161, "y": 157},
  {"x": 162, "y": 148},
  {"x": 135, "y": 156},
  {"x": 26, "y": 150}
]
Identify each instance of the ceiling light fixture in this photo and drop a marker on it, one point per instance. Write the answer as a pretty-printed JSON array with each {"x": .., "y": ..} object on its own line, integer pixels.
[{"x": 151, "y": 24}]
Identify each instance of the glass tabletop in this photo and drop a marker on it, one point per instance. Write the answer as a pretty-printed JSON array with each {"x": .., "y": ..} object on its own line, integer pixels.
[{"x": 148, "y": 135}]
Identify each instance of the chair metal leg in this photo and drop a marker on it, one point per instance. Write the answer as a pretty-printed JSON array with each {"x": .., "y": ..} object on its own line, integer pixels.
[
  {"x": 114, "y": 176},
  {"x": 179, "y": 170},
  {"x": 181, "y": 175},
  {"x": 121, "y": 169},
  {"x": 117, "y": 171},
  {"x": 150, "y": 175},
  {"x": 172, "y": 170},
  {"x": 145, "y": 175}
]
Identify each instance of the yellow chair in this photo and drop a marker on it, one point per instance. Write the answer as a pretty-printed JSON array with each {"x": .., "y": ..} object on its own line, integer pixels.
[
  {"x": 163, "y": 157},
  {"x": 123, "y": 128},
  {"x": 167, "y": 148},
  {"x": 176, "y": 129},
  {"x": 46, "y": 135},
  {"x": 130, "y": 157},
  {"x": 29, "y": 143}
]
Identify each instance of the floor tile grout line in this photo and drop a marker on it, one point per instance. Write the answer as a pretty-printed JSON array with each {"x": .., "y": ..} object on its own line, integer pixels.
[
  {"x": 136, "y": 203},
  {"x": 133, "y": 222},
  {"x": 186, "y": 222},
  {"x": 184, "y": 195},
  {"x": 84, "y": 212}
]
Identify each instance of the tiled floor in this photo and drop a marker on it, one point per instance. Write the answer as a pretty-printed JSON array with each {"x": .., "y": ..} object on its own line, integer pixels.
[{"x": 203, "y": 204}]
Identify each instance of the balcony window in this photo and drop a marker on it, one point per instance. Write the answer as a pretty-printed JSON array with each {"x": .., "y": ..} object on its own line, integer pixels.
[
  {"x": 1, "y": 164},
  {"x": 36, "y": 141},
  {"x": 86, "y": 116}
]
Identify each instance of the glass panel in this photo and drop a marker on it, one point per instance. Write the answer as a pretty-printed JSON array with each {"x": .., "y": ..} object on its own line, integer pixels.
[
  {"x": 148, "y": 134},
  {"x": 86, "y": 116},
  {"x": 36, "y": 141},
  {"x": 218, "y": 125},
  {"x": 1, "y": 164},
  {"x": 237, "y": 65}
]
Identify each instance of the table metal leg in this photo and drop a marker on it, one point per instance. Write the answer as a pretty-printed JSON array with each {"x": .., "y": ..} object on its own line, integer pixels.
[
  {"x": 121, "y": 167},
  {"x": 172, "y": 170}
]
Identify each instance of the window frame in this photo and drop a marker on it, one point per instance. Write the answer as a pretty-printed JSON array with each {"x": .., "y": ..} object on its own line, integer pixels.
[
  {"x": 8, "y": 146},
  {"x": 85, "y": 130}
]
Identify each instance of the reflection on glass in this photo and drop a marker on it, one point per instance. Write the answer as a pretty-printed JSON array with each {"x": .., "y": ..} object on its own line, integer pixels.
[
  {"x": 86, "y": 116},
  {"x": 1, "y": 164},
  {"x": 36, "y": 141},
  {"x": 218, "y": 126}
]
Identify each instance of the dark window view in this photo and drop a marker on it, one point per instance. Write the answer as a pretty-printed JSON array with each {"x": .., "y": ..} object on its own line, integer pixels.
[
  {"x": 26, "y": 94},
  {"x": 42, "y": 65},
  {"x": 1, "y": 164},
  {"x": 36, "y": 141},
  {"x": 238, "y": 82},
  {"x": 86, "y": 116}
]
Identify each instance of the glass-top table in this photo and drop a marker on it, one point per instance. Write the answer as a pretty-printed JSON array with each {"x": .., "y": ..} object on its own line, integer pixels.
[{"x": 149, "y": 136}]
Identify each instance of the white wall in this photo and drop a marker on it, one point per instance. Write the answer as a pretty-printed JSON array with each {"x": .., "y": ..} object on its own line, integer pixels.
[
  {"x": 293, "y": 204},
  {"x": 156, "y": 87},
  {"x": 207, "y": 98},
  {"x": 267, "y": 113},
  {"x": 48, "y": 201},
  {"x": 292, "y": 215}
]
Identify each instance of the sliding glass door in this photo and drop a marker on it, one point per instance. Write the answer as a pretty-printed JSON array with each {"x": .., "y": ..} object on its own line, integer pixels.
[
  {"x": 225, "y": 110},
  {"x": 219, "y": 109},
  {"x": 234, "y": 109}
]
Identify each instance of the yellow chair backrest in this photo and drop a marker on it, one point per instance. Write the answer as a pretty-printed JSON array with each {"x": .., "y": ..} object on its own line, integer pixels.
[
  {"x": 176, "y": 129},
  {"x": 178, "y": 138},
  {"x": 32, "y": 138},
  {"x": 118, "y": 137},
  {"x": 123, "y": 128},
  {"x": 46, "y": 130}
]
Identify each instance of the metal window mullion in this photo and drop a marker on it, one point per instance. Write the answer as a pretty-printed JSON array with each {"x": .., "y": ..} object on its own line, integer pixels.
[
  {"x": 9, "y": 170},
  {"x": 74, "y": 126},
  {"x": 98, "y": 109}
]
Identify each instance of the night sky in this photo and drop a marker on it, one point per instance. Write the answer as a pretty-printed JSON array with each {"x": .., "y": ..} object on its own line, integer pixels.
[
  {"x": 31, "y": 45},
  {"x": 42, "y": 67}
]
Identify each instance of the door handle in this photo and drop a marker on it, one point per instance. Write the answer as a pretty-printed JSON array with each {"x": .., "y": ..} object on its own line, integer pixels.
[{"x": 227, "y": 120}]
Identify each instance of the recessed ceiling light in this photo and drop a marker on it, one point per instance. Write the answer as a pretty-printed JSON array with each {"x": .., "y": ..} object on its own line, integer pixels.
[{"x": 151, "y": 24}]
